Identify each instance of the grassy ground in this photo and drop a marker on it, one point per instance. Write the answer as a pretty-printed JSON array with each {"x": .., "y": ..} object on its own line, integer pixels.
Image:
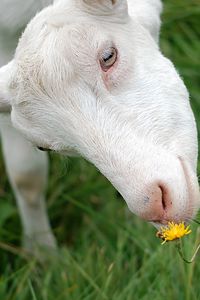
[{"x": 105, "y": 252}]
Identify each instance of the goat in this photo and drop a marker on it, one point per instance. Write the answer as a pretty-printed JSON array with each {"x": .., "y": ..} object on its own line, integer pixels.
[{"x": 88, "y": 78}]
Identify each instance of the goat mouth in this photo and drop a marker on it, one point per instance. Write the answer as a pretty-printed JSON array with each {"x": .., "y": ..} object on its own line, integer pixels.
[
  {"x": 162, "y": 223},
  {"x": 159, "y": 223},
  {"x": 43, "y": 149}
]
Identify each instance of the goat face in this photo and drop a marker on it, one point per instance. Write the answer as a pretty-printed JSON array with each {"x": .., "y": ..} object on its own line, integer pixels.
[{"x": 89, "y": 79}]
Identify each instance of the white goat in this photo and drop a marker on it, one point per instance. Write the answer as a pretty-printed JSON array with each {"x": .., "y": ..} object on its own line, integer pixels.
[{"x": 88, "y": 77}]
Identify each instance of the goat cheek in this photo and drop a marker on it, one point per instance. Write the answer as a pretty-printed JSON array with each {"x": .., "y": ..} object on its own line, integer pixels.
[
  {"x": 113, "y": 76},
  {"x": 108, "y": 79}
]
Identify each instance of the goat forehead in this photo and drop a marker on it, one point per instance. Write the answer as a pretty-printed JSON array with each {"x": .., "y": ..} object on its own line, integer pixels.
[
  {"x": 46, "y": 50},
  {"x": 50, "y": 64},
  {"x": 73, "y": 37},
  {"x": 58, "y": 20}
]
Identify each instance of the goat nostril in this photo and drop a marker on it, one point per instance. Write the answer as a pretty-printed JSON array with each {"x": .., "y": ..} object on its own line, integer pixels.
[
  {"x": 163, "y": 197},
  {"x": 158, "y": 203}
]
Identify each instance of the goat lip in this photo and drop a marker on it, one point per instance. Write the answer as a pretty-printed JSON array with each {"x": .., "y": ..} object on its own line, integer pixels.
[
  {"x": 164, "y": 222},
  {"x": 159, "y": 222},
  {"x": 193, "y": 191}
]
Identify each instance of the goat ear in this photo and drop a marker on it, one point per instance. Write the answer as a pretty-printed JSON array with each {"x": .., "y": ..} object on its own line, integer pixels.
[
  {"x": 106, "y": 7},
  {"x": 5, "y": 95}
]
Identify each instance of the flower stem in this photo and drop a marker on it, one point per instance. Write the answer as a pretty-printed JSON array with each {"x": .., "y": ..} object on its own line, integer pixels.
[
  {"x": 195, "y": 221},
  {"x": 180, "y": 251}
]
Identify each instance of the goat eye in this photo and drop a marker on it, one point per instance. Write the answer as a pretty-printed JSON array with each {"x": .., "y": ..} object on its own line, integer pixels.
[{"x": 108, "y": 58}]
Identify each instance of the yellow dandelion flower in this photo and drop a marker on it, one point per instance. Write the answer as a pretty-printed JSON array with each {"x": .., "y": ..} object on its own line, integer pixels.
[{"x": 173, "y": 232}]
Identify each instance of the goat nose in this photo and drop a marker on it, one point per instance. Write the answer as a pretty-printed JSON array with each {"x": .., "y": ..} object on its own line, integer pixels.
[{"x": 158, "y": 203}]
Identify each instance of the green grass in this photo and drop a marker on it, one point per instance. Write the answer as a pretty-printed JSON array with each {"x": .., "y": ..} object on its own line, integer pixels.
[{"x": 105, "y": 252}]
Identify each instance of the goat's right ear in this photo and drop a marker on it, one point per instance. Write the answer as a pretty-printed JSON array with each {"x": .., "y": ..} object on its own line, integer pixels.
[
  {"x": 5, "y": 95},
  {"x": 107, "y": 8}
]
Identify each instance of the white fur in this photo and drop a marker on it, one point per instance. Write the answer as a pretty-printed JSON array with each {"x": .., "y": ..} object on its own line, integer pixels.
[{"x": 134, "y": 122}]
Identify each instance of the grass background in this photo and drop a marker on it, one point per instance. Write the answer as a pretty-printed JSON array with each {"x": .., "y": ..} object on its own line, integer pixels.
[{"x": 105, "y": 252}]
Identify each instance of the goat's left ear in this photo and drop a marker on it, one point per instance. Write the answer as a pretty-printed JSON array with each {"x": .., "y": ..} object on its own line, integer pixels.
[
  {"x": 5, "y": 95},
  {"x": 107, "y": 7}
]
